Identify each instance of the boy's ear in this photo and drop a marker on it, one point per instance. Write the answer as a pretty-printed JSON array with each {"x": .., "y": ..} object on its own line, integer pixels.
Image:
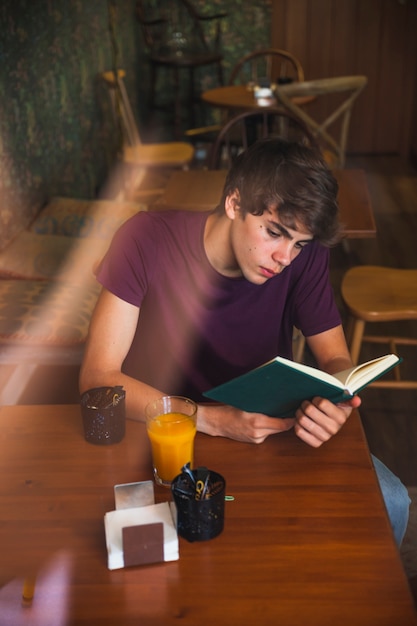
[{"x": 232, "y": 204}]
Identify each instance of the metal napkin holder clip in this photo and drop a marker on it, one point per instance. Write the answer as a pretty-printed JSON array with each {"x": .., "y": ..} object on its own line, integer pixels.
[{"x": 138, "y": 531}]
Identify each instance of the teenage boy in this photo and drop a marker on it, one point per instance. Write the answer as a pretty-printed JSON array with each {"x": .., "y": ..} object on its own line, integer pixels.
[{"x": 192, "y": 299}]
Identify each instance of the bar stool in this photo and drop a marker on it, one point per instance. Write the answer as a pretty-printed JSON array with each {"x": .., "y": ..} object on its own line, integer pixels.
[{"x": 380, "y": 294}]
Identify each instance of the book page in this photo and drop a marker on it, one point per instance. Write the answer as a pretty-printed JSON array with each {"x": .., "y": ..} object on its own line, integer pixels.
[{"x": 356, "y": 377}]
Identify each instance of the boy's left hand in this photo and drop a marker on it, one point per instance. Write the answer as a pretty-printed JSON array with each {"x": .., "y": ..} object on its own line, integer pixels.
[{"x": 318, "y": 420}]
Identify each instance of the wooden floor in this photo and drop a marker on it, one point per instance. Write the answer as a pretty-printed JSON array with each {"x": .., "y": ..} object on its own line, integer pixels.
[{"x": 389, "y": 417}]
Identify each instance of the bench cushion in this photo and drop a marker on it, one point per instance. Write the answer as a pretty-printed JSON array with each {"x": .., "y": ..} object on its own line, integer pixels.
[
  {"x": 72, "y": 217},
  {"x": 43, "y": 257},
  {"x": 45, "y": 312}
]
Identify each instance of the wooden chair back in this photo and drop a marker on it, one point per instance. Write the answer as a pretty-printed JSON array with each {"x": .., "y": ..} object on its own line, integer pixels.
[
  {"x": 272, "y": 64},
  {"x": 333, "y": 143},
  {"x": 136, "y": 155},
  {"x": 121, "y": 107},
  {"x": 245, "y": 128}
]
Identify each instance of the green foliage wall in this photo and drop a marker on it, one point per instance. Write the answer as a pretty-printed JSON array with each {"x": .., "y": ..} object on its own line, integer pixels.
[
  {"x": 55, "y": 135},
  {"x": 54, "y": 139}
]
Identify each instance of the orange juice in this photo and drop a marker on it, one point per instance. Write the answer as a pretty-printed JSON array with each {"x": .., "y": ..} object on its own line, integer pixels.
[{"x": 172, "y": 438}]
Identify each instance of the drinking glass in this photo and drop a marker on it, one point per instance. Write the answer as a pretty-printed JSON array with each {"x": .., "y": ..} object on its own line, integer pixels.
[{"x": 171, "y": 427}]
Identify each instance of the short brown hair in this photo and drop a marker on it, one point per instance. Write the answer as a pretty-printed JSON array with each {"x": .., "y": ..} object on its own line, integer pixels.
[{"x": 292, "y": 178}]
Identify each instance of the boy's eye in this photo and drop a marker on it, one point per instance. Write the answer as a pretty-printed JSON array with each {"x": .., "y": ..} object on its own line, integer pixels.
[
  {"x": 273, "y": 233},
  {"x": 301, "y": 244}
]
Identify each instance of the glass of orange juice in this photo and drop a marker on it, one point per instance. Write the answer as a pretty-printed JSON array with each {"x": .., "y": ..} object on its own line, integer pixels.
[{"x": 171, "y": 426}]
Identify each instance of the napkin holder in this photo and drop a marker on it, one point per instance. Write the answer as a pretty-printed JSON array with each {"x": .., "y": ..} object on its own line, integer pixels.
[
  {"x": 138, "y": 531},
  {"x": 264, "y": 92}
]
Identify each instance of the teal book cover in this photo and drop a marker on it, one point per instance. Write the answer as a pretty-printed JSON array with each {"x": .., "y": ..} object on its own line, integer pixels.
[{"x": 278, "y": 387}]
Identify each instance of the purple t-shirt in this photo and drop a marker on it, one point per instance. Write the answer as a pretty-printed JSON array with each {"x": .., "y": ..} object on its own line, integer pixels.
[{"x": 196, "y": 327}]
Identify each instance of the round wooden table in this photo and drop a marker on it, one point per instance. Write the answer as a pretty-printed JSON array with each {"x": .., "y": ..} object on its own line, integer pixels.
[{"x": 240, "y": 97}]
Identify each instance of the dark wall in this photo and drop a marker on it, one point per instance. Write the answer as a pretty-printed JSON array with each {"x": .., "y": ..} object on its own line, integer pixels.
[{"x": 376, "y": 38}]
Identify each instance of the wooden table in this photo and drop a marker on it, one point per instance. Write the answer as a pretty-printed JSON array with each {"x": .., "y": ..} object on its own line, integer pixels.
[
  {"x": 306, "y": 539},
  {"x": 202, "y": 189},
  {"x": 239, "y": 97}
]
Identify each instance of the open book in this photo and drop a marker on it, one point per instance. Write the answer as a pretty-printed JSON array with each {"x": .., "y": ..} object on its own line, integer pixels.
[{"x": 278, "y": 387}]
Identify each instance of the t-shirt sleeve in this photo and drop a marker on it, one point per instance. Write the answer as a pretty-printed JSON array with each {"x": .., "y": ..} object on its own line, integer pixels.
[
  {"x": 315, "y": 310},
  {"x": 125, "y": 268}
]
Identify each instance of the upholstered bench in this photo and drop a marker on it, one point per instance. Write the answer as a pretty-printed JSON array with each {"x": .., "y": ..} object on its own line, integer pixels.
[
  {"x": 45, "y": 313},
  {"x": 42, "y": 323},
  {"x": 66, "y": 240},
  {"x": 72, "y": 217},
  {"x": 47, "y": 286}
]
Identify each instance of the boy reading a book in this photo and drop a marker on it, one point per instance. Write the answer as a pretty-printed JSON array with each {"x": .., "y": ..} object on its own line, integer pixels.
[{"x": 193, "y": 299}]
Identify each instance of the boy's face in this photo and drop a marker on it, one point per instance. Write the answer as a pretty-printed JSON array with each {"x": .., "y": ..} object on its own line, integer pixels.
[{"x": 262, "y": 246}]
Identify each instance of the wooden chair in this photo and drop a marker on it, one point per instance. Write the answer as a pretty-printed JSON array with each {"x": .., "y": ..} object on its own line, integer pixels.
[
  {"x": 272, "y": 64},
  {"x": 142, "y": 156},
  {"x": 267, "y": 64},
  {"x": 380, "y": 294},
  {"x": 245, "y": 128},
  {"x": 180, "y": 38},
  {"x": 333, "y": 148}
]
